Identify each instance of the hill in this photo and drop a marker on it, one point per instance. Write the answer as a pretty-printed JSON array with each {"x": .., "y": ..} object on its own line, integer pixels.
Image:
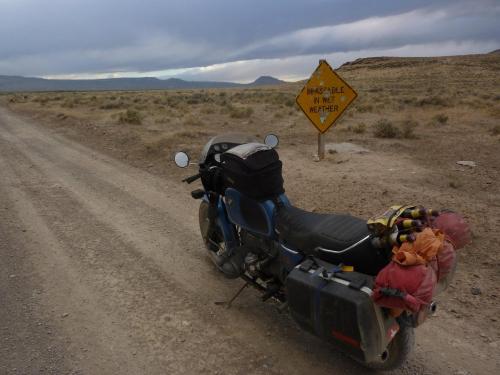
[
  {"x": 266, "y": 81},
  {"x": 18, "y": 83},
  {"x": 489, "y": 60}
]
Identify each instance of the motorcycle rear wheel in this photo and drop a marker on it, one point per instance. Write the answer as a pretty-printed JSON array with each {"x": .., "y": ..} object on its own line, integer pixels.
[{"x": 397, "y": 351}]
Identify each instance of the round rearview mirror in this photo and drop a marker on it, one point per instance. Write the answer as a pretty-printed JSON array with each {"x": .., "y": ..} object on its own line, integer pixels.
[
  {"x": 271, "y": 140},
  {"x": 181, "y": 159}
]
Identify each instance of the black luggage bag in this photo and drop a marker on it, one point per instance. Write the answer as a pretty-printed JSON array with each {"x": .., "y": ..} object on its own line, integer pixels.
[{"x": 253, "y": 169}]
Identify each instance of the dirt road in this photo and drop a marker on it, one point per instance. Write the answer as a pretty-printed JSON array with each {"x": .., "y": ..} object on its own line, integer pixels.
[{"x": 102, "y": 271}]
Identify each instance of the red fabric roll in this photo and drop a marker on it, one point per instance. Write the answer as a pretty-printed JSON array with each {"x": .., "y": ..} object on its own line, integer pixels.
[
  {"x": 414, "y": 286},
  {"x": 446, "y": 260},
  {"x": 455, "y": 228}
]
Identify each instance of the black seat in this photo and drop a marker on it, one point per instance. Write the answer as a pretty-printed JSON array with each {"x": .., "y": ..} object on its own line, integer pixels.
[{"x": 315, "y": 234}]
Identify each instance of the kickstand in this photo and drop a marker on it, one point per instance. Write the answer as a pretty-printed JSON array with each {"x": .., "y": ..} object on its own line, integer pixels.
[{"x": 228, "y": 304}]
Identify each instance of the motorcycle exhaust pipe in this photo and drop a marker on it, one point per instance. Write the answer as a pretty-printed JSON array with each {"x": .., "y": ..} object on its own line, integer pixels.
[{"x": 432, "y": 308}]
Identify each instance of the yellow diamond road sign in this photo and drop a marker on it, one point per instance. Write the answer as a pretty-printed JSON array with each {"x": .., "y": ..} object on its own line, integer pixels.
[{"x": 325, "y": 96}]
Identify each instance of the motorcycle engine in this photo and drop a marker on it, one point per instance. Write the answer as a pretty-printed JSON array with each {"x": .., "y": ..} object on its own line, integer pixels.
[{"x": 261, "y": 256}]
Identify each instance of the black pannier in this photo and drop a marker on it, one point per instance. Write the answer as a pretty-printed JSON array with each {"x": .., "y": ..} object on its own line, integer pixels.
[
  {"x": 254, "y": 169},
  {"x": 338, "y": 307}
]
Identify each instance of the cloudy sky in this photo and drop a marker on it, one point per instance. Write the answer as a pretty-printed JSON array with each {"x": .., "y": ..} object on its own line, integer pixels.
[{"x": 233, "y": 40}]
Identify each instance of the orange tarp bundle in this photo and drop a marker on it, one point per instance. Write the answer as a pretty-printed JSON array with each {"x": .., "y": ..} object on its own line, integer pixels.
[{"x": 425, "y": 247}]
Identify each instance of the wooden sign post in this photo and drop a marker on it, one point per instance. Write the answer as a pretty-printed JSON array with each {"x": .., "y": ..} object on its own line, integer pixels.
[
  {"x": 323, "y": 99},
  {"x": 321, "y": 146}
]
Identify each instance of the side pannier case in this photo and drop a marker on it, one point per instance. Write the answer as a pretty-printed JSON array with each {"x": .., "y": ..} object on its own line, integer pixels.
[
  {"x": 338, "y": 307},
  {"x": 254, "y": 169}
]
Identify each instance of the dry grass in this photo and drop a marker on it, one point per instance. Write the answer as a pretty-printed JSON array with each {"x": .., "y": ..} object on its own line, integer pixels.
[
  {"x": 495, "y": 130},
  {"x": 192, "y": 121},
  {"x": 394, "y": 97},
  {"x": 240, "y": 112},
  {"x": 408, "y": 129},
  {"x": 441, "y": 118},
  {"x": 359, "y": 128},
  {"x": 130, "y": 116},
  {"x": 385, "y": 129}
]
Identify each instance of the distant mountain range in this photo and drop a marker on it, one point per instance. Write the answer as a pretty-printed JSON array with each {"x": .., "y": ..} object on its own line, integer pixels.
[{"x": 17, "y": 83}]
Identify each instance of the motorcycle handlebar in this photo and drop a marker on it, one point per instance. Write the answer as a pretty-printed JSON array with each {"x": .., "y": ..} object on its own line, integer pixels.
[{"x": 192, "y": 178}]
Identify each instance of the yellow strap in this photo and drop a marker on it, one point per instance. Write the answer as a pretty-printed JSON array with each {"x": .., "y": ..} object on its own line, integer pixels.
[{"x": 389, "y": 217}]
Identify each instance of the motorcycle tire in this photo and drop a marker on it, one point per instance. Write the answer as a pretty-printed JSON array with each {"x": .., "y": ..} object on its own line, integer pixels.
[
  {"x": 215, "y": 243},
  {"x": 397, "y": 351}
]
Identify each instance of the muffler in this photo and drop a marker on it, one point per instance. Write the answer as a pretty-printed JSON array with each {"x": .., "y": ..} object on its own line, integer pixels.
[{"x": 432, "y": 308}]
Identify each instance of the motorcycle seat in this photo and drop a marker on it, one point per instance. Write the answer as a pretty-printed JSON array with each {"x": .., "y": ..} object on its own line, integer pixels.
[{"x": 335, "y": 238}]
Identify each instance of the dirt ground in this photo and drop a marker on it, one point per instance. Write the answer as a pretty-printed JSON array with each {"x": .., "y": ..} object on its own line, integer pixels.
[{"x": 102, "y": 267}]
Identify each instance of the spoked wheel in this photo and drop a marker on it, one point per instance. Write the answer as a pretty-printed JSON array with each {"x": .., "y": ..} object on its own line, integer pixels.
[{"x": 397, "y": 351}]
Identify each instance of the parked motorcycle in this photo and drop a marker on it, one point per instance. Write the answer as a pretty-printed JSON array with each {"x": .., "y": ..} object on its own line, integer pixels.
[{"x": 320, "y": 266}]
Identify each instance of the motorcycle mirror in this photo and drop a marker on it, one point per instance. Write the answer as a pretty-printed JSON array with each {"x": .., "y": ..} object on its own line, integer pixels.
[
  {"x": 271, "y": 140},
  {"x": 181, "y": 159},
  {"x": 217, "y": 158}
]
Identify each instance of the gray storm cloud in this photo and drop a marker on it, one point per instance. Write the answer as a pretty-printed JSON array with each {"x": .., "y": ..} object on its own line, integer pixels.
[{"x": 92, "y": 37}]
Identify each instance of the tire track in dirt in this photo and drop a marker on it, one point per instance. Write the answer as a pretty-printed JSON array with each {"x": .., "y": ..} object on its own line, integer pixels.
[
  {"x": 26, "y": 340},
  {"x": 60, "y": 285}
]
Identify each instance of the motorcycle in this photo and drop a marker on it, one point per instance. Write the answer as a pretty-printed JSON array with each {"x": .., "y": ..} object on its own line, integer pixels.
[{"x": 321, "y": 267}]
